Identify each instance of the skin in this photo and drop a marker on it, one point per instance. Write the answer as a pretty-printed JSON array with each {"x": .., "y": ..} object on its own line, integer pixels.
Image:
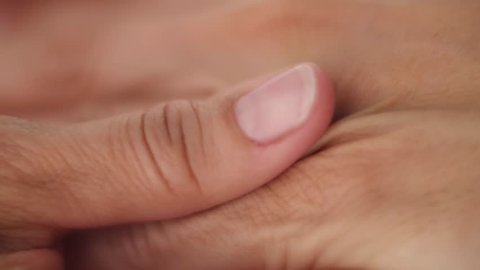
[
  {"x": 394, "y": 184},
  {"x": 170, "y": 161}
]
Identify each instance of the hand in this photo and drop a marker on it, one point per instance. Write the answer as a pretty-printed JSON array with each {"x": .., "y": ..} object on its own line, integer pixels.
[
  {"x": 396, "y": 190},
  {"x": 171, "y": 161},
  {"x": 395, "y": 183}
]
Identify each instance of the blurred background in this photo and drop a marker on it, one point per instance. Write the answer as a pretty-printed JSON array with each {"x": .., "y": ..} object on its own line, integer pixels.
[{"x": 69, "y": 61}]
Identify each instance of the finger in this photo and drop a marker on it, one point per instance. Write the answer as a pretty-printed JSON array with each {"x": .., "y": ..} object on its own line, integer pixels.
[
  {"x": 276, "y": 227},
  {"x": 328, "y": 210},
  {"x": 285, "y": 225},
  {"x": 176, "y": 159}
]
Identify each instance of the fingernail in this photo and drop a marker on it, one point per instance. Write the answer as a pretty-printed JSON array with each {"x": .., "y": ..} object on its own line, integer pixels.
[{"x": 279, "y": 106}]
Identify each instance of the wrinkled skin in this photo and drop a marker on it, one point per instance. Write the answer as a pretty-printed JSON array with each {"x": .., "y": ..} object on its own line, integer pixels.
[
  {"x": 395, "y": 183},
  {"x": 391, "y": 191}
]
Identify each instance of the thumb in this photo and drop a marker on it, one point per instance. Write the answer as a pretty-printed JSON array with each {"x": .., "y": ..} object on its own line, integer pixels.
[{"x": 182, "y": 156}]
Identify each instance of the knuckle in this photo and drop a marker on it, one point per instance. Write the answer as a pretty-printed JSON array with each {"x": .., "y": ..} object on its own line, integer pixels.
[
  {"x": 188, "y": 142},
  {"x": 180, "y": 138}
]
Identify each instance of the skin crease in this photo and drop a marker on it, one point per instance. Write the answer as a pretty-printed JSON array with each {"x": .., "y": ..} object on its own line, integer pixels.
[{"x": 395, "y": 184}]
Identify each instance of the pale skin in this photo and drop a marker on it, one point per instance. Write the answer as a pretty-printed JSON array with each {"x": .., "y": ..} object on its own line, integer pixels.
[{"x": 393, "y": 184}]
